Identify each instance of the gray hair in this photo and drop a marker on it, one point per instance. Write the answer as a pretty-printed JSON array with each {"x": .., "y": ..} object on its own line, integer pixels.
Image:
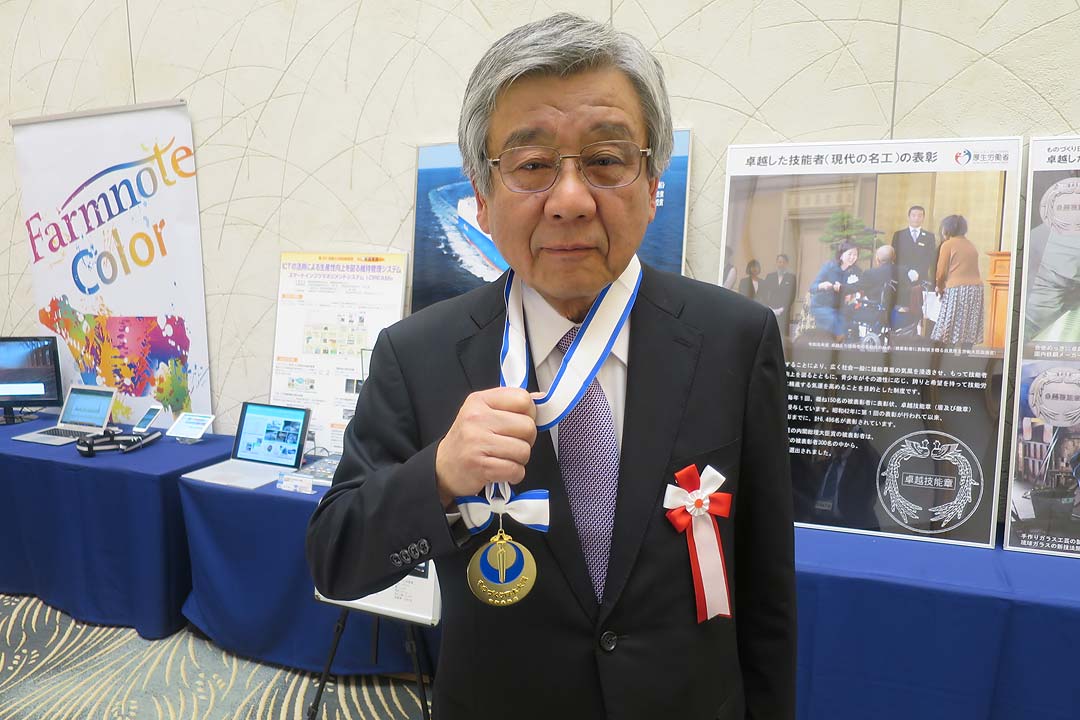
[{"x": 562, "y": 45}]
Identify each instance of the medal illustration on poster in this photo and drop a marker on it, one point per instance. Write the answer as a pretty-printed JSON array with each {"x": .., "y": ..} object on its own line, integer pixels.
[
  {"x": 929, "y": 482},
  {"x": 888, "y": 266},
  {"x": 452, "y": 255},
  {"x": 1043, "y": 511}
]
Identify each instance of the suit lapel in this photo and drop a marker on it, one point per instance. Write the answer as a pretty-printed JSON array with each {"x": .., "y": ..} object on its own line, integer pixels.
[
  {"x": 479, "y": 352},
  {"x": 663, "y": 356}
]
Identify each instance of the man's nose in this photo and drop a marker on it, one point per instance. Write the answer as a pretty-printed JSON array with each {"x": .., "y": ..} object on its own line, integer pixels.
[{"x": 571, "y": 196}]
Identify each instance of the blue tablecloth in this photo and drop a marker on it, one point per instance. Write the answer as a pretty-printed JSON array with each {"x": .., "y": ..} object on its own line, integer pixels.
[
  {"x": 251, "y": 589},
  {"x": 899, "y": 629},
  {"x": 888, "y": 628},
  {"x": 100, "y": 538}
]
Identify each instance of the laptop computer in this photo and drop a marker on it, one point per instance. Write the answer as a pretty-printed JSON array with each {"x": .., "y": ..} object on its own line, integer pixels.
[
  {"x": 86, "y": 412},
  {"x": 269, "y": 441}
]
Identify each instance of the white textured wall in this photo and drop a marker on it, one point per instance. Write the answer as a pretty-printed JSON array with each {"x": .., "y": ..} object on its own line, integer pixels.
[{"x": 307, "y": 114}]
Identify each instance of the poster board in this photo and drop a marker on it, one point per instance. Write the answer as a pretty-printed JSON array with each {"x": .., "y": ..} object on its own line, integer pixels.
[
  {"x": 895, "y": 393},
  {"x": 111, "y": 221},
  {"x": 452, "y": 255},
  {"x": 331, "y": 308},
  {"x": 1043, "y": 509}
]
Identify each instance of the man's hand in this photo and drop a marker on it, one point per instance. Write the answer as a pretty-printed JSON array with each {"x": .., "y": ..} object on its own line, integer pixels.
[{"x": 490, "y": 441}]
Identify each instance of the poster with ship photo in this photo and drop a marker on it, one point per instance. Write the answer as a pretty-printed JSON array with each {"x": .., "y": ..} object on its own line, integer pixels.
[
  {"x": 1043, "y": 512},
  {"x": 888, "y": 265},
  {"x": 452, "y": 255}
]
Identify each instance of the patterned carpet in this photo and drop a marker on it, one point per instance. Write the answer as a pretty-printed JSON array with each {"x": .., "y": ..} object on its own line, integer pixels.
[{"x": 53, "y": 667}]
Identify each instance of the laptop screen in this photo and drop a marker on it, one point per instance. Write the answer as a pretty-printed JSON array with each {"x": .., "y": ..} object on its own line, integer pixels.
[
  {"x": 87, "y": 406},
  {"x": 271, "y": 434}
]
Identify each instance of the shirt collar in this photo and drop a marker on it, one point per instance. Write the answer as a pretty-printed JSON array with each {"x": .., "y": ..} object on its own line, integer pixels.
[
  {"x": 545, "y": 327},
  {"x": 914, "y": 230}
]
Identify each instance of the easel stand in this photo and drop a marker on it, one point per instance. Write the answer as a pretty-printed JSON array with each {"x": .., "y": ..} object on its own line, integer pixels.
[{"x": 414, "y": 645}]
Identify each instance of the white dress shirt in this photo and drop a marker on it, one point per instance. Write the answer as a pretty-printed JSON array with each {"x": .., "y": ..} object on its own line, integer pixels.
[{"x": 545, "y": 327}]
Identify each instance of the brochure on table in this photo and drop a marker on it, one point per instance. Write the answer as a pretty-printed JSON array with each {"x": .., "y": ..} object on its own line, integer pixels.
[{"x": 331, "y": 308}]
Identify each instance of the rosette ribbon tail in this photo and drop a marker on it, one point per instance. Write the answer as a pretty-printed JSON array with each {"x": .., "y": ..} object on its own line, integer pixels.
[{"x": 691, "y": 506}]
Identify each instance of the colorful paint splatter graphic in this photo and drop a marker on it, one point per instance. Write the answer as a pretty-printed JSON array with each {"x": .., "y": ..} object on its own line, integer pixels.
[{"x": 139, "y": 356}]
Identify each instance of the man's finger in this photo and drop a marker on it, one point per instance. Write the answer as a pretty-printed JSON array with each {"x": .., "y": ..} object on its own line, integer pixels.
[
  {"x": 508, "y": 448},
  {"x": 497, "y": 469},
  {"x": 509, "y": 399},
  {"x": 514, "y": 425}
]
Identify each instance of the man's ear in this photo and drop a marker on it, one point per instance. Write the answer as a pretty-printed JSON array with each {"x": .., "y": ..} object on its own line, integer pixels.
[
  {"x": 653, "y": 184},
  {"x": 481, "y": 209}
]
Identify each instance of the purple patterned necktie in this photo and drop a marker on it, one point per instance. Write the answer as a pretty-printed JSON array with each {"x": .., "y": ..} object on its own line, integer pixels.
[{"x": 589, "y": 463}]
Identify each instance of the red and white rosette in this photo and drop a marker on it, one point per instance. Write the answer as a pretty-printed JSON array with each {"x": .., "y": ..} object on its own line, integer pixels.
[{"x": 691, "y": 506}]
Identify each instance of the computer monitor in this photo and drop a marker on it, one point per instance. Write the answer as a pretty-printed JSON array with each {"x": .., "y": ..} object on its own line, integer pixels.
[{"x": 29, "y": 376}]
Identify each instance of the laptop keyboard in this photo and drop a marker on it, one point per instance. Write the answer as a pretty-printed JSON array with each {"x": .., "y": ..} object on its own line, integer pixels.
[{"x": 61, "y": 432}]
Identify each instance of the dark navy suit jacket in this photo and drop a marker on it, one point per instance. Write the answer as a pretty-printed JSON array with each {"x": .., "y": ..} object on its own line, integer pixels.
[{"x": 705, "y": 386}]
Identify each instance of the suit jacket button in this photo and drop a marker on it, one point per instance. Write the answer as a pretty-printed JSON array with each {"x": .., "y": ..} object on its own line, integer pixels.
[
  {"x": 406, "y": 556},
  {"x": 414, "y": 551},
  {"x": 423, "y": 546},
  {"x": 395, "y": 559},
  {"x": 608, "y": 641}
]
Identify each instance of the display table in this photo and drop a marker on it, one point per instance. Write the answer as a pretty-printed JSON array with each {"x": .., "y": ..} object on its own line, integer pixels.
[
  {"x": 900, "y": 629},
  {"x": 100, "y": 538},
  {"x": 251, "y": 589},
  {"x": 887, "y": 628}
]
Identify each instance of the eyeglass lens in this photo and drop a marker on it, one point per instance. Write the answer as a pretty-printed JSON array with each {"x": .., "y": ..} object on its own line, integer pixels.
[{"x": 605, "y": 165}]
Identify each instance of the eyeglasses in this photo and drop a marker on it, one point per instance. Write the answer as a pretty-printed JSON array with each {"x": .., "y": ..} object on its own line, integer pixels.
[{"x": 605, "y": 165}]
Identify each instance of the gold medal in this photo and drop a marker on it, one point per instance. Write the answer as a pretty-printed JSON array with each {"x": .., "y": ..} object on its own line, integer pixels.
[{"x": 502, "y": 572}]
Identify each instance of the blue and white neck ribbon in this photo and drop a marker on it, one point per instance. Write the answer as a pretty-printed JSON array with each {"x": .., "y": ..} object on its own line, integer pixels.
[
  {"x": 529, "y": 508},
  {"x": 587, "y": 353},
  {"x": 582, "y": 361}
]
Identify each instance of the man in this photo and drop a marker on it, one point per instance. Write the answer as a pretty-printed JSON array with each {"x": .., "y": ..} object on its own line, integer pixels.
[
  {"x": 886, "y": 293},
  {"x": 565, "y": 129},
  {"x": 879, "y": 284},
  {"x": 778, "y": 291},
  {"x": 915, "y": 248},
  {"x": 916, "y": 258}
]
